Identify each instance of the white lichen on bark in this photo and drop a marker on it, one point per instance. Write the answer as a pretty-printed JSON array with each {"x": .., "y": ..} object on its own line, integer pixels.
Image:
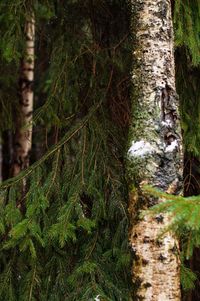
[
  {"x": 172, "y": 146},
  {"x": 23, "y": 135},
  {"x": 155, "y": 155},
  {"x": 140, "y": 149}
]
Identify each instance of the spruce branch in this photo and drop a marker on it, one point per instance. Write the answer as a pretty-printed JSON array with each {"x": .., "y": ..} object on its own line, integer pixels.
[{"x": 67, "y": 137}]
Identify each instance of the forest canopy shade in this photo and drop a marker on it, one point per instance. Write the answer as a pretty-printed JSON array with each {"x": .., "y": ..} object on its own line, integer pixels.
[{"x": 67, "y": 237}]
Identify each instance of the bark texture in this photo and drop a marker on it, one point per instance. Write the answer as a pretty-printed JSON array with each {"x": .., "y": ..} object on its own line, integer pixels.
[
  {"x": 155, "y": 155},
  {"x": 23, "y": 135}
]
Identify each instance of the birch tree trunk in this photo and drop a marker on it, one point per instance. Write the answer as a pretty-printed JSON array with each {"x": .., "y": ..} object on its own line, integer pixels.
[
  {"x": 155, "y": 155},
  {"x": 23, "y": 135}
]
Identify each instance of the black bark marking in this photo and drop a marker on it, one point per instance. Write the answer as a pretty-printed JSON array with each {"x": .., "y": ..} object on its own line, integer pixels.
[
  {"x": 159, "y": 218},
  {"x": 28, "y": 69},
  {"x": 174, "y": 249},
  {"x": 163, "y": 9},
  {"x": 29, "y": 114},
  {"x": 159, "y": 243},
  {"x": 24, "y": 104},
  {"x": 146, "y": 240},
  {"x": 168, "y": 107},
  {"x": 147, "y": 285},
  {"x": 169, "y": 138},
  {"x": 26, "y": 84},
  {"x": 29, "y": 39},
  {"x": 162, "y": 258},
  {"x": 145, "y": 262}
]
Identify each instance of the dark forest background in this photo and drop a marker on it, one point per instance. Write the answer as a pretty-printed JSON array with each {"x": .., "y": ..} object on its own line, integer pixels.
[{"x": 66, "y": 236}]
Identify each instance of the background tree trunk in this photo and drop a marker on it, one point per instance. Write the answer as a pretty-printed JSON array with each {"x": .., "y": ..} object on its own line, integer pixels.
[
  {"x": 23, "y": 134},
  {"x": 155, "y": 156}
]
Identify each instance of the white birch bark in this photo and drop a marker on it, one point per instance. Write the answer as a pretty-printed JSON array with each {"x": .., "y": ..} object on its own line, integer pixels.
[
  {"x": 23, "y": 135},
  {"x": 155, "y": 155}
]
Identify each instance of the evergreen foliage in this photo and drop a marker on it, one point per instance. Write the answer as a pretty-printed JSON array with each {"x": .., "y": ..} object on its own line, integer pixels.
[
  {"x": 187, "y": 27},
  {"x": 187, "y": 80},
  {"x": 187, "y": 33},
  {"x": 184, "y": 216},
  {"x": 67, "y": 238}
]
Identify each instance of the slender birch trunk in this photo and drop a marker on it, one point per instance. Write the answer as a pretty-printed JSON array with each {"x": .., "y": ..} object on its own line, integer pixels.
[
  {"x": 155, "y": 155},
  {"x": 23, "y": 135}
]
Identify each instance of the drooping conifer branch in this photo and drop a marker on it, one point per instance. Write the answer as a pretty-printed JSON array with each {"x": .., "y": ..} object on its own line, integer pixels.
[{"x": 68, "y": 136}]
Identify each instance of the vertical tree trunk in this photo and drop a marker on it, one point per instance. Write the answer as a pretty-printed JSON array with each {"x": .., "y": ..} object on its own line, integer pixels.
[
  {"x": 23, "y": 135},
  {"x": 155, "y": 156}
]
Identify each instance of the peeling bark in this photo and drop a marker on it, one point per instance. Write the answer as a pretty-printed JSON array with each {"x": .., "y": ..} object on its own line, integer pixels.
[
  {"x": 23, "y": 134},
  {"x": 155, "y": 155}
]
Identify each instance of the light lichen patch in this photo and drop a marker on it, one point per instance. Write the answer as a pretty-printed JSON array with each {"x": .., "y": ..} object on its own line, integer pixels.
[
  {"x": 172, "y": 147},
  {"x": 140, "y": 149},
  {"x": 167, "y": 123}
]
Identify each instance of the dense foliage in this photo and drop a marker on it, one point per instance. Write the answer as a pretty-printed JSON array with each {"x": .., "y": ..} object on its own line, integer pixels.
[{"x": 67, "y": 237}]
